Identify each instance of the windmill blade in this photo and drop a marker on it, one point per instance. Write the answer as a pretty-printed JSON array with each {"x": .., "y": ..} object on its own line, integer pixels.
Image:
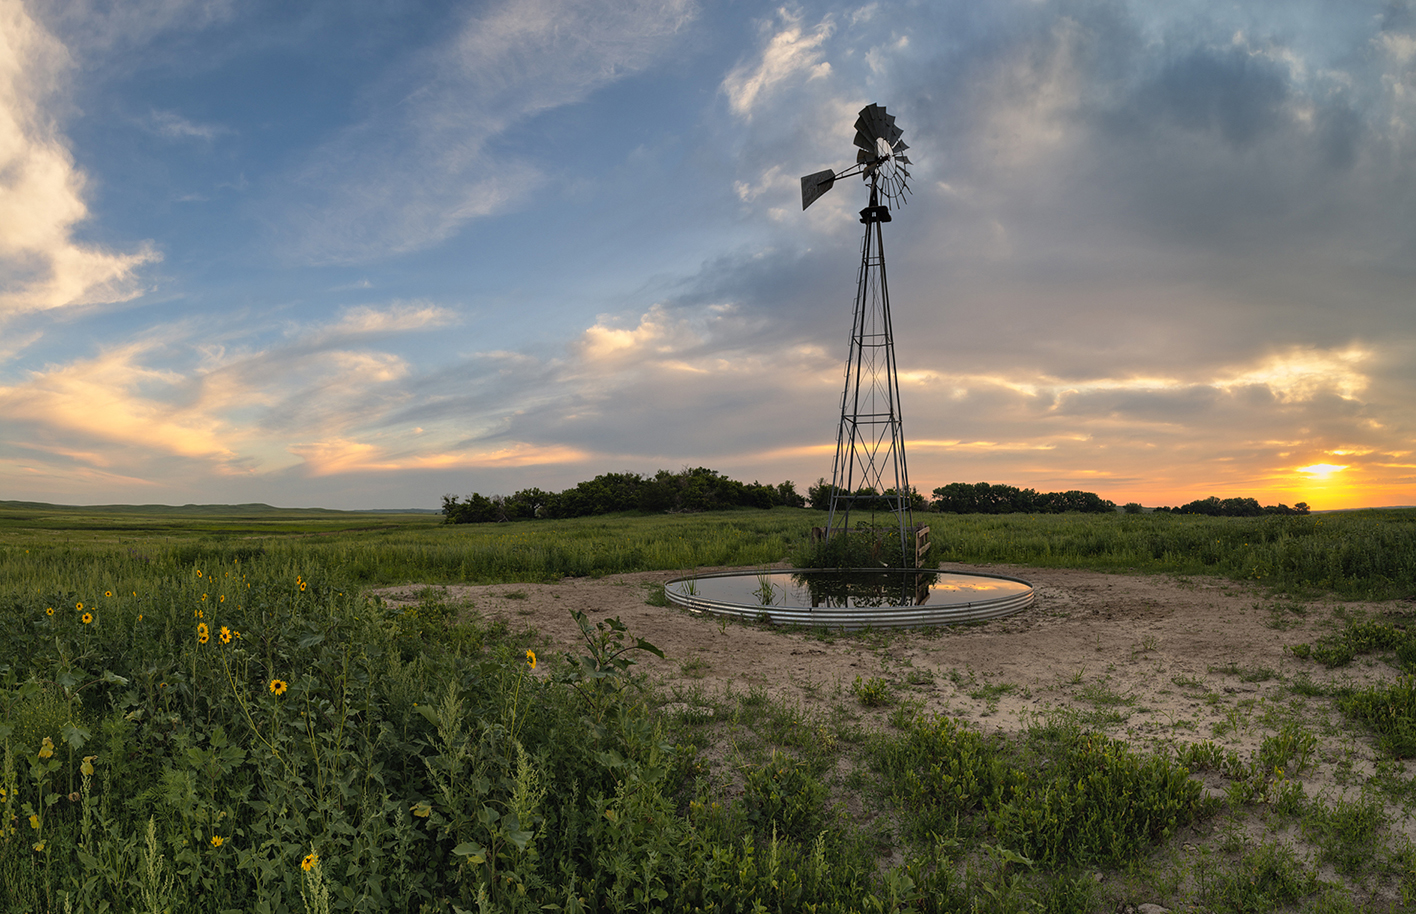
[
  {"x": 814, "y": 185},
  {"x": 872, "y": 122}
]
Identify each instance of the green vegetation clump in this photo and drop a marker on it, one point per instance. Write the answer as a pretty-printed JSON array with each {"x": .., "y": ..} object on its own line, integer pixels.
[
  {"x": 257, "y": 737},
  {"x": 1089, "y": 800},
  {"x": 1390, "y": 710}
]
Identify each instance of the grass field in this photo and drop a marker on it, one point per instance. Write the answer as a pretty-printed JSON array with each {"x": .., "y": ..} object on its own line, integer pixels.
[
  {"x": 1356, "y": 554},
  {"x": 204, "y": 711}
]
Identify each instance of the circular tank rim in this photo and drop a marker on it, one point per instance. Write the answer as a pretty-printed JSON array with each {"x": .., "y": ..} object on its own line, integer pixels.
[{"x": 855, "y": 618}]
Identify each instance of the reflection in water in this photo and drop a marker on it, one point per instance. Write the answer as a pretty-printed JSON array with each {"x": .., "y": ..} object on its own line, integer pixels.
[
  {"x": 844, "y": 589},
  {"x": 866, "y": 588}
]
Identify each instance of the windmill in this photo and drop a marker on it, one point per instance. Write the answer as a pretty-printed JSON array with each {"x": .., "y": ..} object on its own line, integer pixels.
[{"x": 870, "y": 440}]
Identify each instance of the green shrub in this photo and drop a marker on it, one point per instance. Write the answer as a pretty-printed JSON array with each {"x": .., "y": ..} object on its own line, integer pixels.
[
  {"x": 782, "y": 797},
  {"x": 1267, "y": 878},
  {"x": 1096, "y": 801},
  {"x": 1390, "y": 711},
  {"x": 873, "y": 692}
]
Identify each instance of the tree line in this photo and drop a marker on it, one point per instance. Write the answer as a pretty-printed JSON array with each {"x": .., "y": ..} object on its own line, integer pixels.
[
  {"x": 697, "y": 489},
  {"x": 1215, "y": 506},
  {"x": 982, "y": 498},
  {"x": 702, "y": 489}
]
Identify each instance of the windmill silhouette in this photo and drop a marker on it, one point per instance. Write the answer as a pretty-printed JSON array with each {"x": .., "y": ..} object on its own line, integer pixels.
[{"x": 870, "y": 471}]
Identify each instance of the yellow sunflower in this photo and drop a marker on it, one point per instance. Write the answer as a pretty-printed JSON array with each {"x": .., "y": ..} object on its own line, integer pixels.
[
  {"x": 278, "y": 686},
  {"x": 531, "y": 659},
  {"x": 225, "y": 635},
  {"x": 311, "y": 861},
  {"x": 86, "y": 618},
  {"x": 203, "y": 633}
]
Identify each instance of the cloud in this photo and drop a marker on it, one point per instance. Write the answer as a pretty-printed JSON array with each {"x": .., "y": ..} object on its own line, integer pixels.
[
  {"x": 788, "y": 52},
  {"x": 172, "y": 125},
  {"x": 399, "y": 317},
  {"x": 336, "y": 457},
  {"x": 230, "y": 406},
  {"x": 92, "y": 410},
  {"x": 426, "y": 160},
  {"x": 41, "y": 189},
  {"x": 104, "y": 30}
]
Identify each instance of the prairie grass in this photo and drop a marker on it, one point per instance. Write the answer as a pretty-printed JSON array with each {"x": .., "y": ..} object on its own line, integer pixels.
[
  {"x": 1357, "y": 555},
  {"x": 206, "y": 712}
]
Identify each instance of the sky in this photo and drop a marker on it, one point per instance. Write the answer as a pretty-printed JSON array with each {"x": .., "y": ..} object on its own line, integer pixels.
[{"x": 354, "y": 254}]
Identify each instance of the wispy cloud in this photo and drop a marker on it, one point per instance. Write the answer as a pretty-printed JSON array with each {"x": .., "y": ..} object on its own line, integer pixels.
[
  {"x": 172, "y": 125},
  {"x": 100, "y": 28},
  {"x": 789, "y": 50},
  {"x": 421, "y": 166},
  {"x": 41, "y": 189}
]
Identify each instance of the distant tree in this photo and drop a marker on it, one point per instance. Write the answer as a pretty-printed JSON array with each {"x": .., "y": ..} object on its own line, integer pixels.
[
  {"x": 477, "y": 509},
  {"x": 1132, "y": 507},
  {"x": 787, "y": 495}
]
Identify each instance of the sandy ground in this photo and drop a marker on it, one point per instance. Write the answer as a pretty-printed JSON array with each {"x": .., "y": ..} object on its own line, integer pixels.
[{"x": 1157, "y": 660}]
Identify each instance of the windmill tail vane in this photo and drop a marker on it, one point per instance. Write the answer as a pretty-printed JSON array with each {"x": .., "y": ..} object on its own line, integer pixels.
[{"x": 870, "y": 439}]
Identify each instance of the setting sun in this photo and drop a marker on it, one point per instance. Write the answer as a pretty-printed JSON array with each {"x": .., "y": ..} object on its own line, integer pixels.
[{"x": 1322, "y": 470}]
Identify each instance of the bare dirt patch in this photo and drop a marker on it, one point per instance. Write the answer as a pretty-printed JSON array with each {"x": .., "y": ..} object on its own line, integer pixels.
[{"x": 1157, "y": 660}]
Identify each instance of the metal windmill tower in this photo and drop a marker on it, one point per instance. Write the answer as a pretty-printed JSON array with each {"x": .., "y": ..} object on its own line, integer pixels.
[{"x": 870, "y": 441}]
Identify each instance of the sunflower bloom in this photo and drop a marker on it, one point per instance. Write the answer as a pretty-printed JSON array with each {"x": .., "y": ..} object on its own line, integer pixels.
[
  {"x": 531, "y": 659},
  {"x": 108, "y": 593},
  {"x": 49, "y": 611},
  {"x": 203, "y": 633},
  {"x": 46, "y": 748},
  {"x": 311, "y": 861},
  {"x": 217, "y": 841},
  {"x": 79, "y": 605},
  {"x": 225, "y": 635},
  {"x": 278, "y": 686},
  {"x": 86, "y": 618}
]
